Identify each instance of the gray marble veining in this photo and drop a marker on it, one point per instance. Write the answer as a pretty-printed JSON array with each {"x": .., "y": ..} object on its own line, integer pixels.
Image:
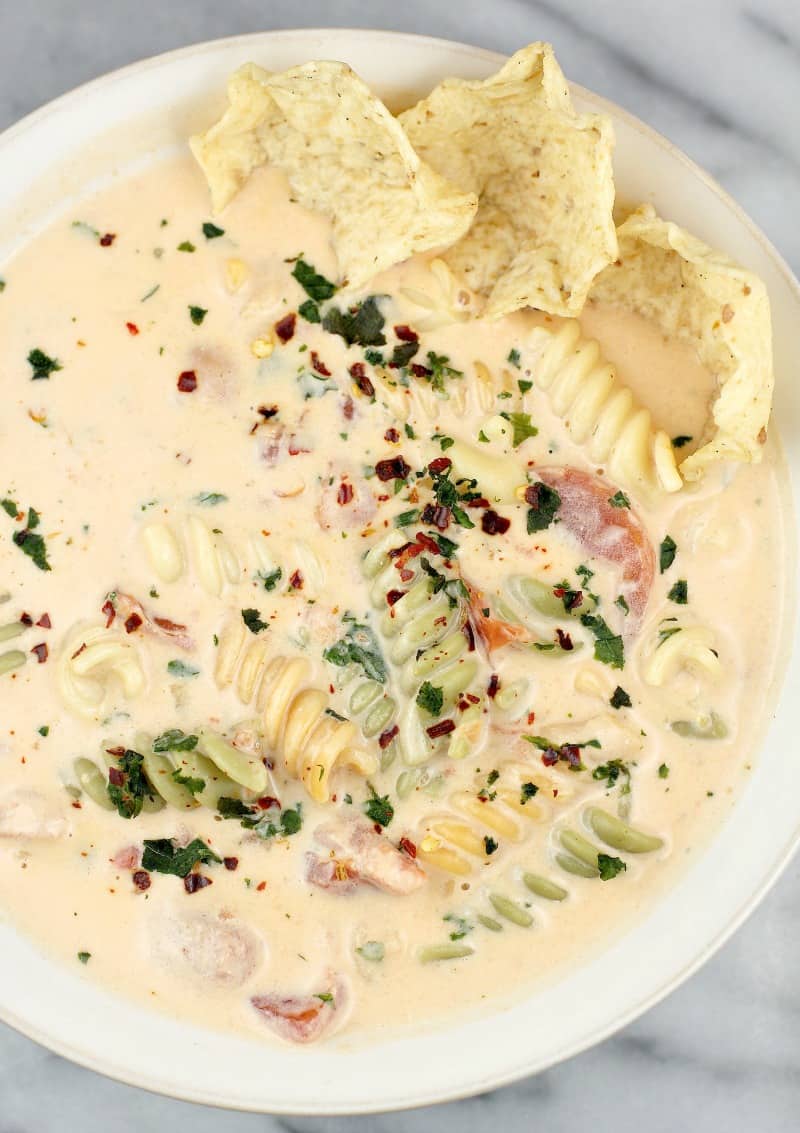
[{"x": 721, "y": 78}]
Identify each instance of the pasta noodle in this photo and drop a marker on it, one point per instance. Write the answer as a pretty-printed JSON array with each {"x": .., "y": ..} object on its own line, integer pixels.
[
  {"x": 681, "y": 647},
  {"x": 96, "y": 663},
  {"x": 599, "y": 411},
  {"x": 295, "y": 719}
]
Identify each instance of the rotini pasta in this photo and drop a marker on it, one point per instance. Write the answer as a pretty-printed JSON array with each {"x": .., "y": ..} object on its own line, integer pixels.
[
  {"x": 96, "y": 664},
  {"x": 599, "y": 411}
]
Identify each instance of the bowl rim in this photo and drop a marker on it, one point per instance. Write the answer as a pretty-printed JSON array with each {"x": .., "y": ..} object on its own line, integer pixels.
[{"x": 781, "y": 859}]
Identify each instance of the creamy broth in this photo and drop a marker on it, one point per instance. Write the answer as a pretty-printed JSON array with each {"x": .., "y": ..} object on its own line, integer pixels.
[{"x": 268, "y": 460}]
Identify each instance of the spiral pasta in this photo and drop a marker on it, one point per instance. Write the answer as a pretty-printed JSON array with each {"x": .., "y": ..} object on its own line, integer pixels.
[
  {"x": 681, "y": 647},
  {"x": 295, "y": 719},
  {"x": 214, "y": 767},
  {"x": 425, "y": 643},
  {"x": 457, "y": 841},
  {"x": 94, "y": 663},
  {"x": 599, "y": 410}
]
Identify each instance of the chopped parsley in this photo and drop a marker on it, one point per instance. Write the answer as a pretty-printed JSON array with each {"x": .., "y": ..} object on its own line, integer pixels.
[
  {"x": 252, "y": 619},
  {"x": 402, "y": 354},
  {"x": 161, "y": 855},
  {"x": 486, "y": 794},
  {"x": 84, "y": 957},
  {"x": 360, "y": 325},
  {"x": 612, "y": 772},
  {"x": 609, "y": 866},
  {"x": 461, "y": 926},
  {"x": 489, "y": 845},
  {"x": 211, "y": 231},
  {"x": 527, "y": 791},
  {"x": 524, "y": 385},
  {"x": 316, "y": 286},
  {"x": 309, "y": 310},
  {"x": 127, "y": 786},
  {"x": 545, "y": 502},
  {"x": 406, "y": 518},
  {"x": 663, "y": 771},
  {"x": 378, "y": 808},
  {"x": 210, "y": 499},
  {"x": 197, "y": 314},
  {"x": 186, "y": 246},
  {"x": 180, "y": 669},
  {"x": 44, "y": 730},
  {"x": 623, "y": 605},
  {"x": 174, "y": 740},
  {"x": 359, "y": 646},
  {"x": 430, "y": 698},
  {"x": 409, "y": 431},
  {"x": 619, "y": 499},
  {"x": 42, "y": 365},
  {"x": 10, "y": 508},
  {"x": 513, "y": 357},
  {"x": 608, "y": 646},
  {"x": 679, "y": 592},
  {"x": 192, "y": 785},
  {"x": 438, "y": 370},
  {"x": 375, "y": 358},
  {"x": 521, "y": 426},
  {"x": 620, "y": 698},
  {"x": 270, "y": 579},
  {"x": 31, "y": 543},
  {"x": 666, "y": 553},
  {"x": 679, "y": 442}
]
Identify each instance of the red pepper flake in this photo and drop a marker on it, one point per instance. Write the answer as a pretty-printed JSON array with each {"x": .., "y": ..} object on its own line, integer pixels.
[
  {"x": 319, "y": 365},
  {"x": 44, "y": 622},
  {"x": 345, "y": 493},
  {"x": 132, "y": 623},
  {"x": 268, "y": 411},
  {"x": 404, "y": 555},
  {"x": 187, "y": 381},
  {"x": 439, "y": 465},
  {"x": 469, "y": 633},
  {"x": 531, "y": 718},
  {"x": 168, "y": 626},
  {"x": 231, "y": 863},
  {"x": 394, "y": 468},
  {"x": 420, "y": 371},
  {"x": 262, "y": 885},
  {"x": 141, "y": 879},
  {"x": 406, "y": 846},
  {"x": 494, "y": 524},
  {"x": 472, "y": 698},
  {"x": 392, "y": 436},
  {"x": 358, "y": 374},
  {"x": 480, "y": 502},
  {"x": 284, "y": 328},
  {"x": 406, "y": 575},
  {"x": 493, "y": 686},
  {"x": 385, "y": 738},
  {"x": 442, "y": 728},
  {"x": 532, "y": 493},
  {"x": 194, "y": 881},
  {"x": 41, "y": 652},
  {"x": 549, "y": 757},
  {"x": 348, "y": 408},
  {"x": 564, "y": 640},
  {"x": 296, "y": 580},
  {"x": 108, "y": 609},
  {"x": 107, "y": 240},
  {"x": 427, "y": 543},
  {"x": 116, "y": 777},
  {"x": 406, "y": 334},
  {"x": 26, "y": 619},
  {"x": 132, "y": 329},
  {"x": 267, "y": 802},
  {"x": 395, "y": 596}
]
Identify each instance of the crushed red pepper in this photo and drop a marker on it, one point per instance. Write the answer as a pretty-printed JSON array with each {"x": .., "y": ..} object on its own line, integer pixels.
[
  {"x": 284, "y": 328},
  {"x": 187, "y": 381}
]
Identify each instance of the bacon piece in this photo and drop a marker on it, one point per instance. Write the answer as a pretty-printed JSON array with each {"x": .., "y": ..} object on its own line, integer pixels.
[
  {"x": 493, "y": 632},
  {"x": 129, "y": 609},
  {"x": 370, "y": 856},
  {"x": 302, "y": 1018},
  {"x": 611, "y": 533}
]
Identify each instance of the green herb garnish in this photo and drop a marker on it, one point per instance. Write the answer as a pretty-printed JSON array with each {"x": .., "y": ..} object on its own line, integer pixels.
[
  {"x": 127, "y": 786},
  {"x": 161, "y": 855},
  {"x": 666, "y": 556},
  {"x": 620, "y": 698},
  {"x": 679, "y": 593},
  {"x": 522, "y": 427},
  {"x": 608, "y": 646},
  {"x": 609, "y": 866},
  {"x": 197, "y": 314},
  {"x": 360, "y": 325},
  {"x": 316, "y": 286},
  {"x": 378, "y": 808},
  {"x": 42, "y": 365},
  {"x": 180, "y": 669},
  {"x": 359, "y": 646},
  {"x": 252, "y": 619},
  {"x": 619, "y": 499},
  {"x": 430, "y": 698},
  {"x": 211, "y": 231},
  {"x": 542, "y": 513},
  {"x": 271, "y": 579},
  {"x": 174, "y": 740}
]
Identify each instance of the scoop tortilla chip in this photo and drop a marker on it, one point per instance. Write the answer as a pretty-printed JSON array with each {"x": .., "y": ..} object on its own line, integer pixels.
[
  {"x": 543, "y": 174},
  {"x": 699, "y": 295},
  {"x": 345, "y": 156}
]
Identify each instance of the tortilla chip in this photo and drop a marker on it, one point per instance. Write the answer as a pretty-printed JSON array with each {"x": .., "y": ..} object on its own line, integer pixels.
[
  {"x": 345, "y": 156},
  {"x": 700, "y": 296},
  {"x": 543, "y": 174}
]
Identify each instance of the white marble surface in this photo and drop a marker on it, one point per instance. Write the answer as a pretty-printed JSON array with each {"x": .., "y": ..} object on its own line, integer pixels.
[{"x": 721, "y": 78}]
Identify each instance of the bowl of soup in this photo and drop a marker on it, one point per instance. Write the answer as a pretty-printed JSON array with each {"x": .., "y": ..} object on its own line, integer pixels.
[{"x": 398, "y": 570}]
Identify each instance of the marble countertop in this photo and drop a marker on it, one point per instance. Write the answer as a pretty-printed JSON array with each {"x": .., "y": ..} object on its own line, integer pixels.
[{"x": 721, "y": 78}]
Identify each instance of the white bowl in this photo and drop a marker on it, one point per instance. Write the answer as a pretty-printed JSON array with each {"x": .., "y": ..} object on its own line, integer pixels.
[{"x": 78, "y": 141}]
